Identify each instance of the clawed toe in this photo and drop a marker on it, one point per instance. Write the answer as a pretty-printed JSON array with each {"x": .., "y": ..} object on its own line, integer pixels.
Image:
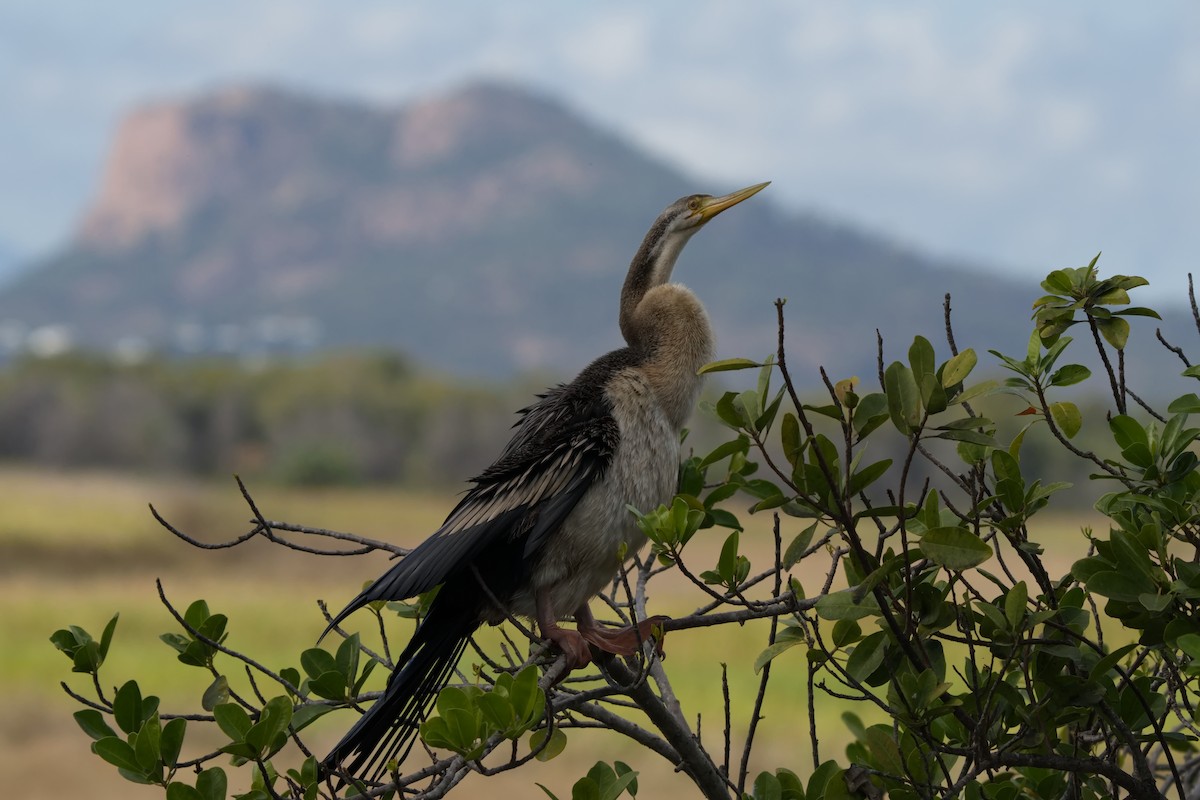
[
  {"x": 573, "y": 645},
  {"x": 626, "y": 641}
]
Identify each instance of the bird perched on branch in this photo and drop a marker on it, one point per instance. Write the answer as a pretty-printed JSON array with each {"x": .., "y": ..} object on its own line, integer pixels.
[{"x": 542, "y": 529}]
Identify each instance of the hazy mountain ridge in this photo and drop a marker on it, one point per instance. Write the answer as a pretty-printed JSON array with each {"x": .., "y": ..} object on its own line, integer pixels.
[{"x": 486, "y": 230}]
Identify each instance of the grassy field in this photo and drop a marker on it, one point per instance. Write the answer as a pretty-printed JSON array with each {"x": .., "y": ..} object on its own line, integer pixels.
[{"x": 76, "y": 548}]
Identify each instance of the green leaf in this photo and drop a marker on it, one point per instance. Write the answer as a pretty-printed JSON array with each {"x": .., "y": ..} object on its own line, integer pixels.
[
  {"x": 93, "y": 724},
  {"x": 728, "y": 558},
  {"x": 317, "y": 662},
  {"x": 216, "y": 693},
  {"x": 728, "y": 364},
  {"x": 147, "y": 745},
  {"x": 958, "y": 368},
  {"x": 1069, "y": 375},
  {"x": 842, "y": 605},
  {"x": 904, "y": 399},
  {"x": 795, "y": 551},
  {"x": 347, "y": 658},
  {"x": 1058, "y": 282},
  {"x": 1067, "y": 417},
  {"x": 117, "y": 752},
  {"x": 127, "y": 707},
  {"x": 106, "y": 638},
  {"x": 181, "y": 791},
  {"x": 1187, "y": 404},
  {"x": 1127, "y": 586},
  {"x": 870, "y": 413},
  {"x": 921, "y": 358},
  {"x": 268, "y": 734},
  {"x": 867, "y": 656},
  {"x": 766, "y": 787},
  {"x": 233, "y": 720},
  {"x": 212, "y": 784},
  {"x": 305, "y": 714},
  {"x": 623, "y": 769},
  {"x": 867, "y": 475},
  {"x": 196, "y": 614},
  {"x": 769, "y": 654},
  {"x": 738, "y": 445},
  {"x": 1138, "y": 311},
  {"x": 172, "y": 740},
  {"x": 1014, "y": 604},
  {"x": 557, "y": 743},
  {"x": 1115, "y": 331},
  {"x": 954, "y": 548}
]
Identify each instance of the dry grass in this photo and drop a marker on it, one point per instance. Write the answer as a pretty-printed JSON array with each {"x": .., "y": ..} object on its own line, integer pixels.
[{"x": 75, "y": 548}]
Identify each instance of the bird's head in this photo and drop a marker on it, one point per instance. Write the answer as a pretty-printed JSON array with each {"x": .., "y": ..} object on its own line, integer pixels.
[
  {"x": 692, "y": 212},
  {"x": 664, "y": 242}
]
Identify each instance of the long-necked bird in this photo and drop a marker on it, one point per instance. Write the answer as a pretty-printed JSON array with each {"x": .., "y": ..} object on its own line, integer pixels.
[{"x": 544, "y": 525}]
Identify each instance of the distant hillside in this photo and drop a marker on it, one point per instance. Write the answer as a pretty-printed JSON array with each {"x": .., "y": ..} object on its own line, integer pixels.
[
  {"x": 10, "y": 260},
  {"x": 484, "y": 231}
]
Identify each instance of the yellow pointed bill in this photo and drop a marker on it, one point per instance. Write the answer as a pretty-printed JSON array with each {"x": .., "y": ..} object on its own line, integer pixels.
[{"x": 715, "y": 205}]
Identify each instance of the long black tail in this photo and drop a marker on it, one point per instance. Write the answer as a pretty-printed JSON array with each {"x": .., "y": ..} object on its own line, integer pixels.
[{"x": 387, "y": 730}]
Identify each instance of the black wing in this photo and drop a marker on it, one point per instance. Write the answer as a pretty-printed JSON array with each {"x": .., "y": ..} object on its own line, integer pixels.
[{"x": 562, "y": 445}]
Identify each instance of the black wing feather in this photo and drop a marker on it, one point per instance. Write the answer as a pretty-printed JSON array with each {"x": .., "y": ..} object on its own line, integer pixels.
[{"x": 562, "y": 446}]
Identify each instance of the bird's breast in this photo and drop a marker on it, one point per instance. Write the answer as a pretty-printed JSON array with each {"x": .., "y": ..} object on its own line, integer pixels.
[{"x": 583, "y": 556}]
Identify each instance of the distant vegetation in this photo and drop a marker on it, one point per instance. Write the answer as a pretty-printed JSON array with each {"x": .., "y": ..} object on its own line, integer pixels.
[
  {"x": 343, "y": 418},
  {"x": 339, "y": 419}
]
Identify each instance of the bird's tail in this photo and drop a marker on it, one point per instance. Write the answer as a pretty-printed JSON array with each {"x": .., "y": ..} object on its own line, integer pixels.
[{"x": 387, "y": 731}]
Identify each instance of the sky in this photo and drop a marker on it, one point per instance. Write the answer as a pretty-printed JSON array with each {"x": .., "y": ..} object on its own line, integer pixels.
[{"x": 1019, "y": 136}]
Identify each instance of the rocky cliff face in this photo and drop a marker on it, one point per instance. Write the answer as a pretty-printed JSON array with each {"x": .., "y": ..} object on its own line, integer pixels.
[{"x": 484, "y": 230}]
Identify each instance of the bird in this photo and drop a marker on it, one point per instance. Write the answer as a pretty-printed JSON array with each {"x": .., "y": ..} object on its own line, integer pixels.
[{"x": 541, "y": 531}]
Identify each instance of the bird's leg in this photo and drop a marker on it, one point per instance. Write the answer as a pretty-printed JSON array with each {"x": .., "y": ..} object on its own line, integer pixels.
[
  {"x": 570, "y": 642},
  {"x": 622, "y": 642}
]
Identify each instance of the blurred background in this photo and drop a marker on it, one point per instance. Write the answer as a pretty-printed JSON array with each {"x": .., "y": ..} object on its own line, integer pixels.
[{"x": 331, "y": 247}]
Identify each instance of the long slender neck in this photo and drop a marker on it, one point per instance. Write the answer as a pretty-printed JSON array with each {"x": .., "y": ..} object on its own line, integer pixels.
[{"x": 651, "y": 267}]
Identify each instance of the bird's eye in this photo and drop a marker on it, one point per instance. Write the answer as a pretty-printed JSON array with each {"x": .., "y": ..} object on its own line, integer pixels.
[{"x": 694, "y": 204}]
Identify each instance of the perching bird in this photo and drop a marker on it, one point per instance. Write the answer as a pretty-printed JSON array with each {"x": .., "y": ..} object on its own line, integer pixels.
[{"x": 543, "y": 526}]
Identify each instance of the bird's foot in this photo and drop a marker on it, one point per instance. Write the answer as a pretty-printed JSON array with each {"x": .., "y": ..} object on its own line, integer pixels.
[
  {"x": 573, "y": 645},
  {"x": 626, "y": 641}
]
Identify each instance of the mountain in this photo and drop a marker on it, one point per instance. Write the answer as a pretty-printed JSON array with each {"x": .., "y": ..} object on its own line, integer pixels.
[
  {"x": 484, "y": 231},
  {"x": 10, "y": 261}
]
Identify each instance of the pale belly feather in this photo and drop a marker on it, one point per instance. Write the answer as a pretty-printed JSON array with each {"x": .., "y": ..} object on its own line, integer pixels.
[{"x": 583, "y": 556}]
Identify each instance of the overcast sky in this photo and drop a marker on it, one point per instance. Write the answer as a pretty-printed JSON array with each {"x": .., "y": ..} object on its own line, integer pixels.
[{"x": 1020, "y": 135}]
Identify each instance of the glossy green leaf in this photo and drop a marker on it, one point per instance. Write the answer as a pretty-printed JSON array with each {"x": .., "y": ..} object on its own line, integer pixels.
[
  {"x": 557, "y": 743},
  {"x": 728, "y": 364},
  {"x": 867, "y": 475},
  {"x": 1069, "y": 375},
  {"x": 1127, "y": 586},
  {"x": 172, "y": 740},
  {"x": 212, "y": 784},
  {"x": 867, "y": 656},
  {"x": 92, "y": 723},
  {"x": 233, "y": 720},
  {"x": 1187, "y": 404},
  {"x": 954, "y": 548},
  {"x": 1014, "y": 604},
  {"x": 958, "y": 368},
  {"x": 795, "y": 551},
  {"x": 216, "y": 693},
  {"x": 771, "y": 651},
  {"x": 1115, "y": 331},
  {"x": 117, "y": 752},
  {"x": 181, "y": 791},
  {"x": 766, "y": 787},
  {"x": 1067, "y": 417},
  {"x": 127, "y": 707},
  {"x": 903, "y": 396},
  {"x": 843, "y": 605}
]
